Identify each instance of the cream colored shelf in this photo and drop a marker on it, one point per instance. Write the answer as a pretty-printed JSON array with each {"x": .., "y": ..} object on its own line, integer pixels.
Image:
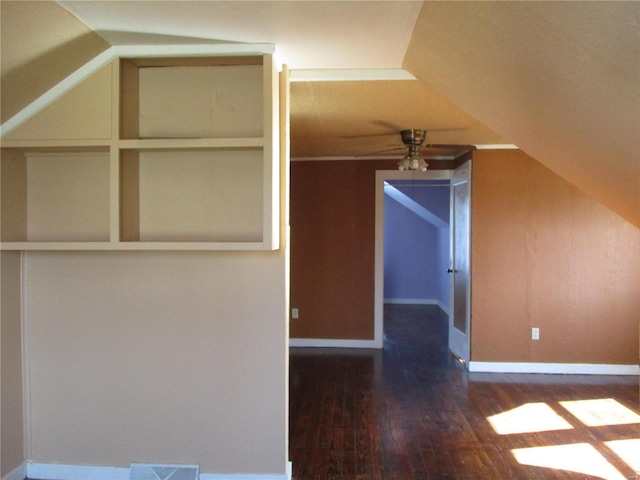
[
  {"x": 56, "y": 246},
  {"x": 191, "y": 143},
  {"x": 191, "y": 162},
  {"x": 133, "y": 246},
  {"x": 58, "y": 145},
  {"x": 55, "y": 196}
]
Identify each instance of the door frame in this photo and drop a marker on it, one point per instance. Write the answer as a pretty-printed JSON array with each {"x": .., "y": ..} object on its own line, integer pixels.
[{"x": 381, "y": 177}]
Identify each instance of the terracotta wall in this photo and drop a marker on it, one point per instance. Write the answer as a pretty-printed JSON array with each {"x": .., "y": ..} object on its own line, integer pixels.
[
  {"x": 332, "y": 247},
  {"x": 544, "y": 255}
]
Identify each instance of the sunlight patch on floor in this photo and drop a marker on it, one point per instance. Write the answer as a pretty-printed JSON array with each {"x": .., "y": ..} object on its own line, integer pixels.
[
  {"x": 580, "y": 458},
  {"x": 601, "y": 412},
  {"x": 628, "y": 451},
  {"x": 528, "y": 418}
]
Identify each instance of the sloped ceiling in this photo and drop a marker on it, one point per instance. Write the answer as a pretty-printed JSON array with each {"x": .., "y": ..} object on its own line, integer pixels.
[
  {"x": 361, "y": 118},
  {"x": 559, "y": 79}
]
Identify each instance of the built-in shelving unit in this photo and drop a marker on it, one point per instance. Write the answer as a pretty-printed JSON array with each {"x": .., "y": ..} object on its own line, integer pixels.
[{"x": 188, "y": 159}]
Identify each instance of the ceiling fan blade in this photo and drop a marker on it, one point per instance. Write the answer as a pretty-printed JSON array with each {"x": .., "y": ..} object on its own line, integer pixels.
[
  {"x": 459, "y": 129},
  {"x": 370, "y": 135},
  {"x": 388, "y": 125},
  {"x": 381, "y": 151},
  {"x": 448, "y": 146},
  {"x": 398, "y": 128}
]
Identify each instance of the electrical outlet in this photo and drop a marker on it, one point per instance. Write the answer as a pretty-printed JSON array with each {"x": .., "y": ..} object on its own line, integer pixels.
[
  {"x": 294, "y": 313},
  {"x": 535, "y": 333}
]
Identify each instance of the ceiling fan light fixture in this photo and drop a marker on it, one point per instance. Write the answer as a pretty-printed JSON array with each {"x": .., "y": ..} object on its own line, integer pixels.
[{"x": 413, "y": 160}]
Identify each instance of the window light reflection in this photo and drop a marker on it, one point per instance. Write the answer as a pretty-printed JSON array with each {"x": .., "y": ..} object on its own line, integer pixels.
[
  {"x": 580, "y": 458},
  {"x": 528, "y": 418},
  {"x": 628, "y": 451},
  {"x": 601, "y": 412}
]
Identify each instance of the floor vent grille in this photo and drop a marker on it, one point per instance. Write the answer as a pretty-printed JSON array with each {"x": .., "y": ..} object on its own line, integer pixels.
[{"x": 144, "y": 471}]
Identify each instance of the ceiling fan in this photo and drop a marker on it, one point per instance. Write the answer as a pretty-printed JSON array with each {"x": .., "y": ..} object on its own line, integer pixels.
[{"x": 413, "y": 140}]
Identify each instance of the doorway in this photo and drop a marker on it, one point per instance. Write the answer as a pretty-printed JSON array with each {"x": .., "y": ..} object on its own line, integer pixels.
[{"x": 457, "y": 282}]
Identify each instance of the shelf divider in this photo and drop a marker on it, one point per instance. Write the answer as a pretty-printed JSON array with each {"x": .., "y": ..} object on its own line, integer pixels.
[{"x": 190, "y": 143}]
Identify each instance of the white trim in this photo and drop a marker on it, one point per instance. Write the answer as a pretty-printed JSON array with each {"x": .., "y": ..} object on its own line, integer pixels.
[
  {"x": 381, "y": 177},
  {"x": 130, "y": 51},
  {"x": 334, "y": 343},
  {"x": 554, "y": 368},
  {"x": 57, "y": 91},
  {"x": 412, "y": 301},
  {"x": 52, "y": 471},
  {"x": 147, "y": 51},
  {"x": 497, "y": 146},
  {"x": 18, "y": 473},
  {"x": 349, "y": 75},
  {"x": 417, "y": 301}
]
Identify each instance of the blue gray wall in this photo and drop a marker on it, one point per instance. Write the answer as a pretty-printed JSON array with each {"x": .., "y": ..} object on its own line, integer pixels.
[{"x": 416, "y": 250}]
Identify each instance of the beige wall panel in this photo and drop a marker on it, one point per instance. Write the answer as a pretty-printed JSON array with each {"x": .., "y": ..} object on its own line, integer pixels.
[
  {"x": 12, "y": 432},
  {"x": 201, "y": 196},
  {"x": 158, "y": 357},
  {"x": 82, "y": 113},
  {"x": 68, "y": 197},
  {"x": 546, "y": 255},
  {"x": 14, "y": 195},
  {"x": 41, "y": 44},
  {"x": 201, "y": 102}
]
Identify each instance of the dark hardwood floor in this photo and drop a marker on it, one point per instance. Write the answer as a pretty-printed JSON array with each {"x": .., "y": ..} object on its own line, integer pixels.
[{"x": 410, "y": 411}]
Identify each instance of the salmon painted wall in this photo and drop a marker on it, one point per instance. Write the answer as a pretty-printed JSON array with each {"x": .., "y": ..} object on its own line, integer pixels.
[{"x": 545, "y": 255}]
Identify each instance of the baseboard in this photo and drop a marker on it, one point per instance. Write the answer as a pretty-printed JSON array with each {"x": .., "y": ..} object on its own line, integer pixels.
[
  {"x": 554, "y": 368},
  {"x": 51, "y": 471},
  {"x": 417, "y": 301},
  {"x": 55, "y": 471},
  {"x": 332, "y": 343},
  {"x": 18, "y": 473},
  {"x": 412, "y": 301}
]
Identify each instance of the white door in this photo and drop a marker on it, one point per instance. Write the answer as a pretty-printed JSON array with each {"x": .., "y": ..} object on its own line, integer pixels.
[{"x": 460, "y": 264}]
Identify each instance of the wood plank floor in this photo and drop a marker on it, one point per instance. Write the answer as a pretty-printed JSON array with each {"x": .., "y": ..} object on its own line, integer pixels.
[{"x": 410, "y": 411}]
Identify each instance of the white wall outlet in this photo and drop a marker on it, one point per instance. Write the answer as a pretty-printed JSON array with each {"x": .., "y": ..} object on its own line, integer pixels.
[
  {"x": 535, "y": 333},
  {"x": 294, "y": 313}
]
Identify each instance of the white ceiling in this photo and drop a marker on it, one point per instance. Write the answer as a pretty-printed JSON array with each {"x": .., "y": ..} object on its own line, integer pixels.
[{"x": 307, "y": 34}]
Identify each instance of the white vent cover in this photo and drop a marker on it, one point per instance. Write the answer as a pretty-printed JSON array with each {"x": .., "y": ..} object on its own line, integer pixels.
[{"x": 144, "y": 471}]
